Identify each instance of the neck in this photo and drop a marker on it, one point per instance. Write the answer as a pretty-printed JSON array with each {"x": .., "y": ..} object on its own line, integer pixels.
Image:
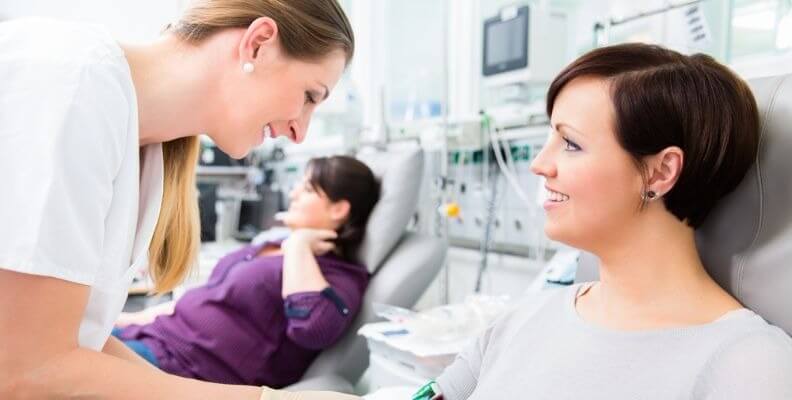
[
  {"x": 654, "y": 267},
  {"x": 170, "y": 80}
]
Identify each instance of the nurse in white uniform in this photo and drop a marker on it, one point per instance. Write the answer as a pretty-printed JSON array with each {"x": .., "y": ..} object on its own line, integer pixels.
[{"x": 98, "y": 149}]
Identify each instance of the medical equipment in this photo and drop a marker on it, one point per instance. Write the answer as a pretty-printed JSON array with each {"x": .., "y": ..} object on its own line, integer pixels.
[
  {"x": 232, "y": 198},
  {"x": 414, "y": 347},
  {"x": 559, "y": 271},
  {"x": 516, "y": 48},
  {"x": 430, "y": 391}
]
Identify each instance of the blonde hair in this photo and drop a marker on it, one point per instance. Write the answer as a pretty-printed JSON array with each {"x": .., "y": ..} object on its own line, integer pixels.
[
  {"x": 308, "y": 30},
  {"x": 174, "y": 246}
]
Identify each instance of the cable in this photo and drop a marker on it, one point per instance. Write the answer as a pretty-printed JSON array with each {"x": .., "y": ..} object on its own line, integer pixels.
[
  {"x": 485, "y": 244},
  {"x": 510, "y": 174}
]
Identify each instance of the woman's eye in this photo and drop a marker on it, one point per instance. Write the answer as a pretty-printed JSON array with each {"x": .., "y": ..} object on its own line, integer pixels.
[
  {"x": 309, "y": 98},
  {"x": 570, "y": 145}
]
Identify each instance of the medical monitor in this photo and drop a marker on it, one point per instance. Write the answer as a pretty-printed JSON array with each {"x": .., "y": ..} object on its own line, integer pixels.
[
  {"x": 523, "y": 44},
  {"x": 506, "y": 42}
]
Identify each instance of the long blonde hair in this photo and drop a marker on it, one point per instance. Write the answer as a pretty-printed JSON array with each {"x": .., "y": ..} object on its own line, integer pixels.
[
  {"x": 308, "y": 30},
  {"x": 174, "y": 245}
]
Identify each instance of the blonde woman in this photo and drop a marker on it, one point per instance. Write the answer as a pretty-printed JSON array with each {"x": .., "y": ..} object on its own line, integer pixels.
[{"x": 98, "y": 149}]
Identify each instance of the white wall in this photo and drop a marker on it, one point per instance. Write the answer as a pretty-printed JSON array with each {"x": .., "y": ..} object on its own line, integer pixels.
[{"x": 129, "y": 21}]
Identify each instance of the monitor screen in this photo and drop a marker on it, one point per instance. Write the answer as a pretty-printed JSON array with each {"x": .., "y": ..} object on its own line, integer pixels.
[{"x": 505, "y": 43}]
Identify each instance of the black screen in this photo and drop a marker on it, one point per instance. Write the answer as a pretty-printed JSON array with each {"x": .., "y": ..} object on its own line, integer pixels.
[{"x": 505, "y": 46}]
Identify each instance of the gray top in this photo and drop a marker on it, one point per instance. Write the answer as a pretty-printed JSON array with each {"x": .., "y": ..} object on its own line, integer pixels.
[{"x": 544, "y": 350}]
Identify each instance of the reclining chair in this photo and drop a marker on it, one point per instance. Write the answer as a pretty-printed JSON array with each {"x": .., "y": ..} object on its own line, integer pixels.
[
  {"x": 746, "y": 242},
  {"x": 402, "y": 264}
]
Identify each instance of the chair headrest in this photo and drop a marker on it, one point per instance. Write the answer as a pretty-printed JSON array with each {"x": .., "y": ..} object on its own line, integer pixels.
[
  {"x": 400, "y": 173},
  {"x": 746, "y": 241}
]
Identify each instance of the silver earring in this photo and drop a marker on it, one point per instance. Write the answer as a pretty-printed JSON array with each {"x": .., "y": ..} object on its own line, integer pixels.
[
  {"x": 248, "y": 67},
  {"x": 649, "y": 195}
]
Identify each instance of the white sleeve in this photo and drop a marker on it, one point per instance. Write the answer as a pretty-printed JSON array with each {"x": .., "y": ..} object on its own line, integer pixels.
[
  {"x": 62, "y": 133},
  {"x": 758, "y": 366}
]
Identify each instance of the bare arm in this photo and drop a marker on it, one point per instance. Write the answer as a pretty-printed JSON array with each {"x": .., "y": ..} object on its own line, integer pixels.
[
  {"x": 116, "y": 348},
  {"x": 41, "y": 358},
  {"x": 301, "y": 272}
]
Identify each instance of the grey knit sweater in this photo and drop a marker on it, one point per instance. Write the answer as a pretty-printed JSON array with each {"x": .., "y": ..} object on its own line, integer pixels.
[{"x": 544, "y": 350}]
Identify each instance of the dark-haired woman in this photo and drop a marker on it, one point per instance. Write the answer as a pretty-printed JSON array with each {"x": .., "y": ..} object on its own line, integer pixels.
[
  {"x": 645, "y": 141},
  {"x": 268, "y": 309}
]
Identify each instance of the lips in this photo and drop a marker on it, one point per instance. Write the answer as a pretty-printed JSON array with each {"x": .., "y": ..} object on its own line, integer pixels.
[{"x": 555, "y": 196}]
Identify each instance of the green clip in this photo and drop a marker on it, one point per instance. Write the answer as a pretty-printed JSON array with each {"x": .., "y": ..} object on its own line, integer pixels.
[{"x": 427, "y": 392}]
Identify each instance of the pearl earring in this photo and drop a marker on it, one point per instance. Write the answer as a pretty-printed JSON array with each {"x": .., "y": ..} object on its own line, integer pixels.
[{"x": 248, "y": 67}]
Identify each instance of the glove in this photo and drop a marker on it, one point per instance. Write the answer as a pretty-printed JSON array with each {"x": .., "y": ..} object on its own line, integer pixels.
[{"x": 269, "y": 394}]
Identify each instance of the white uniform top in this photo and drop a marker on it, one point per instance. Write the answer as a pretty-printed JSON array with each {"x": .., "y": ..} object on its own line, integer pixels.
[{"x": 74, "y": 203}]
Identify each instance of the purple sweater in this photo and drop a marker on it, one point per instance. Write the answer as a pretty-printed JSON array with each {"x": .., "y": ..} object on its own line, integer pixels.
[{"x": 238, "y": 329}]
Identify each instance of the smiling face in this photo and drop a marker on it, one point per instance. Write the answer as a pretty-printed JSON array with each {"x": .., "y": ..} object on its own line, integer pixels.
[
  {"x": 593, "y": 184},
  {"x": 276, "y": 98},
  {"x": 310, "y": 208}
]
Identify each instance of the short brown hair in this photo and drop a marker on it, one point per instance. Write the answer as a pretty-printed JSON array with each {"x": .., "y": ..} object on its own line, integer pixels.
[{"x": 662, "y": 98}]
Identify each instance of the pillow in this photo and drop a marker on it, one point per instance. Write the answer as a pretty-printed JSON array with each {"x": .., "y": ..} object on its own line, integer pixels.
[{"x": 400, "y": 173}]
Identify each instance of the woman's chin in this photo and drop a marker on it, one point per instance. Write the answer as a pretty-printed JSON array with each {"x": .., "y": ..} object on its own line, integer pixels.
[
  {"x": 555, "y": 232},
  {"x": 293, "y": 224}
]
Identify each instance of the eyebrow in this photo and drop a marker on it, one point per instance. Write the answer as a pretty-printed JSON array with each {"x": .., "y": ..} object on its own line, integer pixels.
[
  {"x": 570, "y": 127},
  {"x": 327, "y": 92}
]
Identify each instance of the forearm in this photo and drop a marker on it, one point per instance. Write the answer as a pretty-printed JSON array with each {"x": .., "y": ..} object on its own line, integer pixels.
[
  {"x": 301, "y": 272},
  {"x": 116, "y": 348},
  {"x": 83, "y": 373}
]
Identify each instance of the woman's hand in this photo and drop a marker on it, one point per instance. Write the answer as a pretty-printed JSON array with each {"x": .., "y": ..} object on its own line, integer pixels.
[
  {"x": 145, "y": 316},
  {"x": 270, "y": 394},
  {"x": 317, "y": 240},
  {"x": 134, "y": 318},
  {"x": 301, "y": 272}
]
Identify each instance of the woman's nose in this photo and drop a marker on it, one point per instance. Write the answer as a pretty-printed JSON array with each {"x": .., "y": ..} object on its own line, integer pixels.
[
  {"x": 294, "y": 130},
  {"x": 543, "y": 164},
  {"x": 293, "y": 192},
  {"x": 297, "y": 131}
]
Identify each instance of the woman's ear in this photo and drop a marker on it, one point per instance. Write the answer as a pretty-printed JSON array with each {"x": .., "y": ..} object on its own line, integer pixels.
[
  {"x": 260, "y": 38},
  {"x": 339, "y": 211},
  {"x": 663, "y": 170}
]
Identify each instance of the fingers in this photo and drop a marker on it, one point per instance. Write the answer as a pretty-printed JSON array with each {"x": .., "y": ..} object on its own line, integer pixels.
[
  {"x": 318, "y": 240},
  {"x": 325, "y": 234},
  {"x": 324, "y": 247},
  {"x": 269, "y": 394},
  {"x": 124, "y": 320}
]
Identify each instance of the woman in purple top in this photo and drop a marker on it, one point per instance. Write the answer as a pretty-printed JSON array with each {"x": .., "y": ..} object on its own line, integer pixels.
[{"x": 268, "y": 309}]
